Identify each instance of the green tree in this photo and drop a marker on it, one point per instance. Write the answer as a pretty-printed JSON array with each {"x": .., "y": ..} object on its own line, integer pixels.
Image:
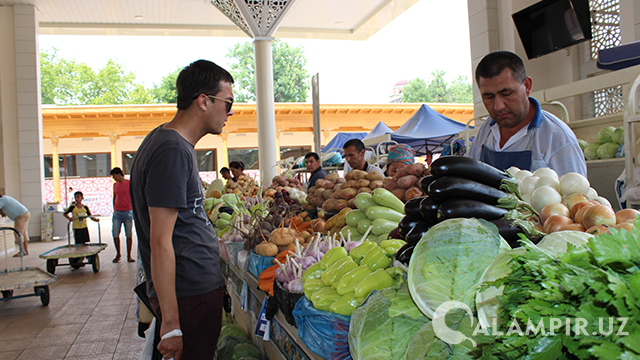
[
  {"x": 437, "y": 90},
  {"x": 290, "y": 78},
  {"x": 166, "y": 92}
]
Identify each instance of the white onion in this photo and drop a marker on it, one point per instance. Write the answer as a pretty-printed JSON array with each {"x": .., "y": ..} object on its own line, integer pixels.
[
  {"x": 522, "y": 174},
  {"x": 573, "y": 183},
  {"x": 528, "y": 185},
  {"x": 513, "y": 170},
  {"x": 603, "y": 201},
  {"x": 592, "y": 194},
  {"x": 545, "y": 171},
  {"x": 548, "y": 181},
  {"x": 544, "y": 195},
  {"x": 526, "y": 198}
]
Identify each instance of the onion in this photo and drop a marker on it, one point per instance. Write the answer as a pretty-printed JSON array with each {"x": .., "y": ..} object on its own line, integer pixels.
[
  {"x": 573, "y": 199},
  {"x": 573, "y": 183},
  {"x": 544, "y": 195},
  {"x": 577, "y": 206},
  {"x": 580, "y": 212},
  {"x": 603, "y": 201},
  {"x": 627, "y": 216},
  {"x": 555, "y": 223},
  {"x": 598, "y": 229},
  {"x": 522, "y": 174},
  {"x": 553, "y": 209},
  {"x": 513, "y": 170},
  {"x": 573, "y": 227},
  {"x": 592, "y": 194},
  {"x": 526, "y": 198},
  {"x": 627, "y": 226},
  {"x": 598, "y": 215},
  {"x": 528, "y": 185},
  {"x": 548, "y": 181},
  {"x": 545, "y": 171}
]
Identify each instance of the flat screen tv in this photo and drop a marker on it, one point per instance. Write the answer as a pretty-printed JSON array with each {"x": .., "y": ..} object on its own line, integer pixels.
[{"x": 551, "y": 25}]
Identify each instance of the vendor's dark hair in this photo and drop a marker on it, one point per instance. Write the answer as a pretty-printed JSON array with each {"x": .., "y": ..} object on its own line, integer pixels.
[
  {"x": 78, "y": 193},
  {"x": 116, "y": 171},
  {"x": 354, "y": 142},
  {"x": 237, "y": 165},
  {"x": 199, "y": 77},
  {"x": 224, "y": 170},
  {"x": 312, "y": 155},
  {"x": 494, "y": 63}
]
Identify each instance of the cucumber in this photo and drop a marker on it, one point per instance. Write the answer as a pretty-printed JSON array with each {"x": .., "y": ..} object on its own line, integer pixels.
[
  {"x": 381, "y": 212},
  {"x": 386, "y": 198},
  {"x": 354, "y": 216}
]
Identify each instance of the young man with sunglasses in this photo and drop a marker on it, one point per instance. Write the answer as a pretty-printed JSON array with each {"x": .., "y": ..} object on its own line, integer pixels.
[{"x": 178, "y": 247}]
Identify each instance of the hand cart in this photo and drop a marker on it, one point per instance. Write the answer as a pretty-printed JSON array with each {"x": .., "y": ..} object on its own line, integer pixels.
[
  {"x": 22, "y": 277},
  {"x": 75, "y": 253}
]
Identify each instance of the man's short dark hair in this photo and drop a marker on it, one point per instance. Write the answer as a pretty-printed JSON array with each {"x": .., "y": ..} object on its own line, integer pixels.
[
  {"x": 199, "y": 77},
  {"x": 312, "y": 155},
  {"x": 354, "y": 142},
  {"x": 494, "y": 63},
  {"x": 78, "y": 193},
  {"x": 117, "y": 171},
  {"x": 237, "y": 165},
  {"x": 224, "y": 170}
]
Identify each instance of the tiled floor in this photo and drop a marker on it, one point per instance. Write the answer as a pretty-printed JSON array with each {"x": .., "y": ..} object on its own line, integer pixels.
[{"x": 90, "y": 316}]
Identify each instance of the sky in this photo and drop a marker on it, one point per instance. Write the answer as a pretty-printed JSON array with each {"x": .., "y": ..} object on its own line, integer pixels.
[{"x": 431, "y": 35}]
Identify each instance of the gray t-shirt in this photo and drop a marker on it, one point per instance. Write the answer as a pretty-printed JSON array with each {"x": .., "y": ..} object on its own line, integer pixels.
[{"x": 164, "y": 174}]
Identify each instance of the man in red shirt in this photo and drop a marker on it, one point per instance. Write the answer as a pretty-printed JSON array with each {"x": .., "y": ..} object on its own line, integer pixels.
[{"x": 122, "y": 213}]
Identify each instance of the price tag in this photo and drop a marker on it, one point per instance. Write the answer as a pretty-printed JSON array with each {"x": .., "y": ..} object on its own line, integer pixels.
[
  {"x": 244, "y": 296},
  {"x": 263, "y": 325}
]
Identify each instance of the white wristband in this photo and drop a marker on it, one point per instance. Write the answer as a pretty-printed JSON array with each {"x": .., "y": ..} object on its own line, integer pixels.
[{"x": 172, "y": 333}]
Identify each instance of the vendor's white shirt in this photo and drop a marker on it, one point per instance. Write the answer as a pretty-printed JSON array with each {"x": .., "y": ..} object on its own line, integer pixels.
[{"x": 554, "y": 144}]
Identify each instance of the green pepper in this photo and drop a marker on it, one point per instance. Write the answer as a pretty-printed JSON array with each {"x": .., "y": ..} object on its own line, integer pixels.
[
  {"x": 222, "y": 223},
  {"x": 361, "y": 250},
  {"x": 376, "y": 259},
  {"x": 392, "y": 246},
  {"x": 346, "y": 305},
  {"x": 320, "y": 292},
  {"x": 312, "y": 272},
  {"x": 396, "y": 273},
  {"x": 377, "y": 280},
  {"x": 311, "y": 286},
  {"x": 328, "y": 273},
  {"x": 351, "y": 279},
  {"x": 225, "y": 216},
  {"x": 333, "y": 255},
  {"x": 324, "y": 301},
  {"x": 335, "y": 278}
]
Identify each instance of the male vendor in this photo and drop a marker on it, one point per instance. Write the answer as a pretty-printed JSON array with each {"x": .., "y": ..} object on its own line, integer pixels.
[
  {"x": 519, "y": 133},
  {"x": 354, "y": 154},
  {"x": 314, "y": 166}
]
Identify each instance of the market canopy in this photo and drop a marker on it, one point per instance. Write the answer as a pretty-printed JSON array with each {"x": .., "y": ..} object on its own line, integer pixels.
[
  {"x": 426, "y": 131},
  {"x": 378, "y": 130},
  {"x": 341, "y": 138}
]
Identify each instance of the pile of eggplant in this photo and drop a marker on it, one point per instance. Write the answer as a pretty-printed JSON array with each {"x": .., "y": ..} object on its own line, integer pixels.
[{"x": 462, "y": 187}]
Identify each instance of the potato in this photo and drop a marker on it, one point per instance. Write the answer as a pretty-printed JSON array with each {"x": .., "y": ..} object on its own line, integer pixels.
[
  {"x": 407, "y": 182},
  {"x": 320, "y": 183},
  {"x": 340, "y": 180},
  {"x": 327, "y": 194},
  {"x": 336, "y": 195},
  {"x": 374, "y": 175},
  {"x": 375, "y": 184},
  {"x": 349, "y": 184},
  {"x": 329, "y": 205},
  {"x": 416, "y": 169},
  {"x": 359, "y": 174},
  {"x": 341, "y": 222},
  {"x": 348, "y": 193},
  {"x": 365, "y": 189},
  {"x": 402, "y": 172},
  {"x": 329, "y": 184},
  {"x": 338, "y": 186},
  {"x": 319, "y": 193},
  {"x": 399, "y": 193},
  {"x": 312, "y": 189},
  {"x": 317, "y": 202},
  {"x": 341, "y": 204},
  {"x": 349, "y": 176},
  {"x": 352, "y": 203},
  {"x": 332, "y": 177},
  {"x": 362, "y": 183},
  {"x": 390, "y": 183},
  {"x": 413, "y": 192}
]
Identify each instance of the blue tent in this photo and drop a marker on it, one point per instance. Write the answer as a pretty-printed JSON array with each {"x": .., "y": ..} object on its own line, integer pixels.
[
  {"x": 378, "y": 130},
  {"x": 427, "y": 131},
  {"x": 338, "y": 141}
]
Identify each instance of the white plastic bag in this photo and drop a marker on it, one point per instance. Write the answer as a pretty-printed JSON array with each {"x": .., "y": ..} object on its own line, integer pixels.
[
  {"x": 243, "y": 259},
  {"x": 147, "y": 349}
]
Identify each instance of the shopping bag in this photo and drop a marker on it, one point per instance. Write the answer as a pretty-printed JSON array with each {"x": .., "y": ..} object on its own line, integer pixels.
[{"x": 324, "y": 333}]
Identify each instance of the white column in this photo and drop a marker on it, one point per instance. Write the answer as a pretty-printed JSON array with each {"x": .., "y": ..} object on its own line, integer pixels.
[
  {"x": 29, "y": 113},
  {"x": 267, "y": 152}
]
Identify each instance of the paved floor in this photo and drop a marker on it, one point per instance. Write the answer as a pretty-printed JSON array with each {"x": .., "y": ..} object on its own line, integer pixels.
[{"x": 90, "y": 316}]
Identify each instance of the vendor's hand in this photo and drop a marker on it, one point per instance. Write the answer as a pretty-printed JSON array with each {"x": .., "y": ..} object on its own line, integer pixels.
[
  {"x": 171, "y": 348},
  {"x": 2, "y": 213}
]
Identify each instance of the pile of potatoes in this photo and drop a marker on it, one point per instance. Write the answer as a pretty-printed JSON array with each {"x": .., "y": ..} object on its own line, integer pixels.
[
  {"x": 405, "y": 184},
  {"x": 335, "y": 193}
]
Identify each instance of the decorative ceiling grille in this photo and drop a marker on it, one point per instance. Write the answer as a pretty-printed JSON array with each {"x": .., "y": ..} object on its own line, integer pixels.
[
  {"x": 605, "y": 26},
  {"x": 257, "y": 18},
  {"x": 230, "y": 10},
  {"x": 608, "y": 101}
]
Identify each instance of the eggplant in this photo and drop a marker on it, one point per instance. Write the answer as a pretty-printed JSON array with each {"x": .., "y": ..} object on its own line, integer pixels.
[
  {"x": 412, "y": 208},
  {"x": 404, "y": 253},
  {"x": 429, "y": 208},
  {"x": 510, "y": 230},
  {"x": 394, "y": 234},
  {"x": 226, "y": 209},
  {"x": 474, "y": 169},
  {"x": 425, "y": 182},
  {"x": 464, "y": 208},
  {"x": 407, "y": 224},
  {"x": 418, "y": 231}
]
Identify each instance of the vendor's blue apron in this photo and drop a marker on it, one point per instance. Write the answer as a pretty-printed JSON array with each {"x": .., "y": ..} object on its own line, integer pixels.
[{"x": 506, "y": 159}]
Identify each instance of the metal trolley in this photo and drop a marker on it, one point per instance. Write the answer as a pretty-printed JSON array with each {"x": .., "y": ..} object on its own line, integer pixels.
[
  {"x": 23, "y": 277},
  {"x": 76, "y": 253}
]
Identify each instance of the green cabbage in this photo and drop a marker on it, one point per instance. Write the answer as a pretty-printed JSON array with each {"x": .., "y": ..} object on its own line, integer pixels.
[
  {"x": 232, "y": 330},
  {"x": 448, "y": 261},
  {"x": 605, "y": 134},
  {"x": 618, "y": 136},
  {"x": 582, "y": 144},
  {"x": 608, "y": 150},
  {"x": 591, "y": 151},
  {"x": 556, "y": 243},
  {"x": 246, "y": 351}
]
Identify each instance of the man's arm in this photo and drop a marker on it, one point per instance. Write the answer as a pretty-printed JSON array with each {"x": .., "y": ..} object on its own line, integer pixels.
[{"x": 163, "y": 273}]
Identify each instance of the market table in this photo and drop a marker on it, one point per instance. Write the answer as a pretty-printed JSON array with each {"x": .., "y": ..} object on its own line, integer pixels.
[{"x": 284, "y": 342}]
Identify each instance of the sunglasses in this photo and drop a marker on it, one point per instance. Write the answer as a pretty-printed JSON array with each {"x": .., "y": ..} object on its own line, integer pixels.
[{"x": 229, "y": 102}]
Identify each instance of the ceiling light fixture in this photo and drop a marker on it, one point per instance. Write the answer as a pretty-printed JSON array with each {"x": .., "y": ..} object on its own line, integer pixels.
[
  {"x": 138, "y": 17},
  {"x": 338, "y": 23}
]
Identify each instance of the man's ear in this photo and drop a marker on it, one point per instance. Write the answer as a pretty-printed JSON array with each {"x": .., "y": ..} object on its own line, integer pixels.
[{"x": 528, "y": 83}]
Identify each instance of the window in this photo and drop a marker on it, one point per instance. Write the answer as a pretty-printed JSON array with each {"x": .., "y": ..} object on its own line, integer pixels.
[
  {"x": 206, "y": 160},
  {"x": 127, "y": 161},
  {"x": 250, "y": 156},
  {"x": 79, "y": 165}
]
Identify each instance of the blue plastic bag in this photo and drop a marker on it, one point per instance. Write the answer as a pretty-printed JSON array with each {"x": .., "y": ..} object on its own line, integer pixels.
[
  {"x": 258, "y": 264},
  {"x": 324, "y": 333}
]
